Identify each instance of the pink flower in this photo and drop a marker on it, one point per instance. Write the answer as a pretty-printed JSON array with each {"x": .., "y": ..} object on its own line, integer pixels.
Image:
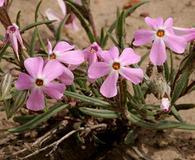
[
  {"x": 71, "y": 22},
  {"x": 2, "y": 2},
  {"x": 162, "y": 35},
  {"x": 187, "y": 33},
  {"x": 64, "y": 53},
  {"x": 92, "y": 53},
  {"x": 165, "y": 104},
  {"x": 39, "y": 81},
  {"x": 113, "y": 66},
  {"x": 14, "y": 37}
]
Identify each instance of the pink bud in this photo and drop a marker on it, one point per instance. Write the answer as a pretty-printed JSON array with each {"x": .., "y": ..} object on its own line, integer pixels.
[{"x": 165, "y": 104}]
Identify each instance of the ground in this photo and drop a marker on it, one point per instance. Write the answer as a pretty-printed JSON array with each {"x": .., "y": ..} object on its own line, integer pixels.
[{"x": 171, "y": 145}]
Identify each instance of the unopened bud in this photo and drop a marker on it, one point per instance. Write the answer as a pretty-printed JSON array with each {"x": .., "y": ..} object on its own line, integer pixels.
[{"x": 165, "y": 104}]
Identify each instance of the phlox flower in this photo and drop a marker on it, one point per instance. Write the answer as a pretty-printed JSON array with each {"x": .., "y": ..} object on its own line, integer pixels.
[
  {"x": 63, "y": 52},
  {"x": 161, "y": 35},
  {"x": 14, "y": 37},
  {"x": 114, "y": 65},
  {"x": 39, "y": 81},
  {"x": 71, "y": 22},
  {"x": 92, "y": 53},
  {"x": 187, "y": 33}
]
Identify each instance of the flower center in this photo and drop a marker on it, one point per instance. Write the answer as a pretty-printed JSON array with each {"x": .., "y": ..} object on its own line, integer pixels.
[
  {"x": 52, "y": 56},
  {"x": 93, "y": 49},
  {"x": 116, "y": 66},
  {"x": 12, "y": 29},
  {"x": 160, "y": 33},
  {"x": 39, "y": 82}
]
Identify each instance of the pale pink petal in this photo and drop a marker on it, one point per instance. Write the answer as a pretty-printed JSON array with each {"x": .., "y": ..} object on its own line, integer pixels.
[
  {"x": 62, "y": 47},
  {"x": 135, "y": 75},
  {"x": 169, "y": 23},
  {"x": 143, "y": 36},
  {"x": 128, "y": 56},
  {"x": 176, "y": 43},
  {"x": 51, "y": 15},
  {"x": 165, "y": 104},
  {"x": 111, "y": 54},
  {"x": 54, "y": 90},
  {"x": 158, "y": 52},
  {"x": 23, "y": 82},
  {"x": 1, "y": 2},
  {"x": 92, "y": 58},
  {"x": 52, "y": 70},
  {"x": 154, "y": 22},
  {"x": 49, "y": 47},
  {"x": 36, "y": 101},
  {"x": 109, "y": 87},
  {"x": 71, "y": 57},
  {"x": 98, "y": 69},
  {"x": 34, "y": 66},
  {"x": 62, "y": 6},
  {"x": 67, "y": 77},
  {"x": 187, "y": 33},
  {"x": 14, "y": 43}
]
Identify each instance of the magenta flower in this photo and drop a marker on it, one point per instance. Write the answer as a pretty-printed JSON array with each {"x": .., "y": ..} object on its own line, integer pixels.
[
  {"x": 64, "y": 53},
  {"x": 187, "y": 33},
  {"x": 14, "y": 37},
  {"x": 71, "y": 22},
  {"x": 92, "y": 53},
  {"x": 39, "y": 81},
  {"x": 161, "y": 35},
  {"x": 113, "y": 66}
]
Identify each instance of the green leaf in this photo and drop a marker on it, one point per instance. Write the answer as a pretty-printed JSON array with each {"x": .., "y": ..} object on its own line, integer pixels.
[
  {"x": 180, "y": 85},
  {"x": 89, "y": 100},
  {"x": 39, "y": 119},
  {"x": 18, "y": 18},
  {"x": 37, "y": 10},
  {"x": 176, "y": 114},
  {"x": 5, "y": 86},
  {"x": 120, "y": 30},
  {"x": 138, "y": 93},
  {"x": 127, "y": 12},
  {"x": 161, "y": 125},
  {"x": 184, "y": 106},
  {"x": 23, "y": 119},
  {"x": 33, "y": 42},
  {"x": 82, "y": 20},
  {"x": 130, "y": 137},
  {"x": 60, "y": 27},
  {"x": 2, "y": 51},
  {"x": 100, "y": 113},
  {"x": 30, "y": 26},
  {"x": 166, "y": 71}
]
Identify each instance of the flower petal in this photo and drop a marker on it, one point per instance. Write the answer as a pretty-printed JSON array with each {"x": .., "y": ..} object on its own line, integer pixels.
[
  {"x": 67, "y": 77},
  {"x": 62, "y": 6},
  {"x": 109, "y": 87},
  {"x": 14, "y": 43},
  {"x": 51, "y": 15},
  {"x": 49, "y": 47},
  {"x": 128, "y": 56},
  {"x": 36, "y": 101},
  {"x": 71, "y": 57},
  {"x": 176, "y": 43},
  {"x": 169, "y": 22},
  {"x": 158, "y": 52},
  {"x": 23, "y": 82},
  {"x": 154, "y": 22},
  {"x": 34, "y": 66},
  {"x": 62, "y": 46},
  {"x": 111, "y": 54},
  {"x": 52, "y": 70},
  {"x": 98, "y": 69},
  {"x": 54, "y": 90},
  {"x": 135, "y": 75},
  {"x": 187, "y": 33},
  {"x": 143, "y": 36}
]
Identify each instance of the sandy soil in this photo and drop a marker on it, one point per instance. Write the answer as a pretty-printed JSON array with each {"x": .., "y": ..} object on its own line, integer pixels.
[{"x": 177, "y": 145}]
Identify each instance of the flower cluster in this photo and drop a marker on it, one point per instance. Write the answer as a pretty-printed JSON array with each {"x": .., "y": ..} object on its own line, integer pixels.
[{"x": 52, "y": 75}]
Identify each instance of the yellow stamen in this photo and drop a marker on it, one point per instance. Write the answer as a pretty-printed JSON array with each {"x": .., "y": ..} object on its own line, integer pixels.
[
  {"x": 116, "y": 66},
  {"x": 160, "y": 33}
]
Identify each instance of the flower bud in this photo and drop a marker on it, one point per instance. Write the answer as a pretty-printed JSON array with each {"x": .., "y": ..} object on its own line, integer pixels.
[{"x": 165, "y": 104}]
